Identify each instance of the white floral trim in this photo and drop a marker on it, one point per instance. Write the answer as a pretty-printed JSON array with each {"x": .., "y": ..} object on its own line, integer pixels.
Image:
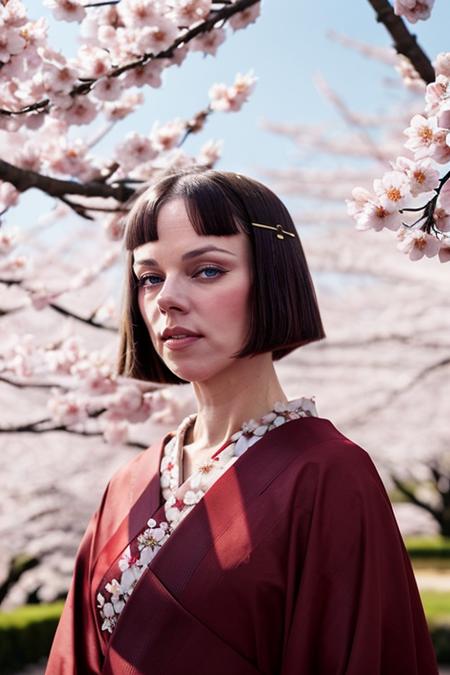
[{"x": 179, "y": 500}]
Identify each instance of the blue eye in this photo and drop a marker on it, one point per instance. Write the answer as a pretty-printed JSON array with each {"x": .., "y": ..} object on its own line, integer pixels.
[
  {"x": 210, "y": 269},
  {"x": 142, "y": 281}
]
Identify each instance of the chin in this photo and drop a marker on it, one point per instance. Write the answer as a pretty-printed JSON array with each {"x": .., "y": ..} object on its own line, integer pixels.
[{"x": 196, "y": 372}]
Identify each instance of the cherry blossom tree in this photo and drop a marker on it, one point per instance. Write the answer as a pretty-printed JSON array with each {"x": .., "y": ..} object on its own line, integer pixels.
[
  {"x": 402, "y": 157},
  {"x": 48, "y": 105}
]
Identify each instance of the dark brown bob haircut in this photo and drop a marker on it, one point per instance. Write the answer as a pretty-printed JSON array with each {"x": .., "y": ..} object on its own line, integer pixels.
[{"x": 283, "y": 310}]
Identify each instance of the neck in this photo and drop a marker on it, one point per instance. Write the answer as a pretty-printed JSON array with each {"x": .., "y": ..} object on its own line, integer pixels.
[{"x": 246, "y": 391}]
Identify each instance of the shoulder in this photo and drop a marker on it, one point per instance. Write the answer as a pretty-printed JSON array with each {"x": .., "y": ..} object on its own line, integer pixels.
[{"x": 331, "y": 461}]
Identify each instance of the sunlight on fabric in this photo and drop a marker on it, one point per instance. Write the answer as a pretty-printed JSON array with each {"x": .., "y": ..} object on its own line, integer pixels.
[{"x": 231, "y": 536}]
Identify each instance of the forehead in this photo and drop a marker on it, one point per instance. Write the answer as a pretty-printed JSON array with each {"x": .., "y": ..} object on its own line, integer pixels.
[{"x": 176, "y": 236}]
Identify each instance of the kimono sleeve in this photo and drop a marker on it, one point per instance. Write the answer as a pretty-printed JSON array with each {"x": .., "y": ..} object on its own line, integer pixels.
[
  {"x": 76, "y": 647},
  {"x": 355, "y": 603}
]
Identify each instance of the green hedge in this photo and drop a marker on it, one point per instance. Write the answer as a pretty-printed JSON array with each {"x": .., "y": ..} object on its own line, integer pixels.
[
  {"x": 436, "y": 547},
  {"x": 26, "y": 634}
]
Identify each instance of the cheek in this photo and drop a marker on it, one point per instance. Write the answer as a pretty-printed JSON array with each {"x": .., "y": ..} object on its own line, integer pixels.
[{"x": 231, "y": 304}]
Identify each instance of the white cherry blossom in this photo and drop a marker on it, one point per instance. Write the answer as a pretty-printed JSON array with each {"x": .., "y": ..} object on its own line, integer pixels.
[
  {"x": 421, "y": 133},
  {"x": 375, "y": 216},
  {"x": 417, "y": 243},
  {"x": 422, "y": 175},
  {"x": 442, "y": 64}
]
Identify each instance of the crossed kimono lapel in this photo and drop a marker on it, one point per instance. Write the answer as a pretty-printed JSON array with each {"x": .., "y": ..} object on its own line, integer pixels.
[{"x": 144, "y": 500}]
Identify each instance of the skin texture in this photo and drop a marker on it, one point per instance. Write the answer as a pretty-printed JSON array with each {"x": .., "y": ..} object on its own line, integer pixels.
[{"x": 228, "y": 390}]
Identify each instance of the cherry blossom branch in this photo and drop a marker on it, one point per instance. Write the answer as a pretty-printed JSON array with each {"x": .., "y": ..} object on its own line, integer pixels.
[
  {"x": 404, "y": 42},
  {"x": 26, "y": 385},
  {"x": 90, "y": 321},
  {"x": 85, "y": 87},
  {"x": 24, "y": 179},
  {"x": 428, "y": 210},
  {"x": 34, "y": 428},
  {"x": 102, "y": 4},
  {"x": 402, "y": 487}
]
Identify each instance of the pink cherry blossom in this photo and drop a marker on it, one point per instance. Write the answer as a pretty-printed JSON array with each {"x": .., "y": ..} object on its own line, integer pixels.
[
  {"x": 42, "y": 299},
  {"x": 107, "y": 312},
  {"x": 208, "y": 42},
  {"x": 67, "y": 409},
  {"x": 98, "y": 382},
  {"x": 442, "y": 218},
  {"x": 13, "y": 14},
  {"x": 107, "y": 88},
  {"x": 409, "y": 74},
  {"x": 413, "y": 10},
  {"x": 10, "y": 43},
  {"x": 82, "y": 111},
  {"x": 138, "y": 13},
  {"x": 444, "y": 250},
  {"x": 444, "y": 116},
  {"x": 93, "y": 62},
  {"x": 134, "y": 150},
  {"x": 58, "y": 79},
  {"x": 421, "y": 133},
  {"x": 441, "y": 152},
  {"x": 66, "y": 10},
  {"x": 114, "y": 226},
  {"x": 69, "y": 354},
  {"x": 168, "y": 135},
  {"x": 70, "y": 159},
  {"x": 361, "y": 197},
  {"x": 210, "y": 153},
  {"x": 115, "y": 432},
  {"x": 376, "y": 217},
  {"x": 157, "y": 38},
  {"x": 417, "y": 243},
  {"x": 9, "y": 196},
  {"x": 444, "y": 196},
  {"x": 244, "y": 18},
  {"x": 8, "y": 241},
  {"x": 15, "y": 265},
  {"x": 187, "y": 12},
  {"x": 436, "y": 93},
  {"x": 128, "y": 403},
  {"x": 149, "y": 74},
  {"x": 393, "y": 190},
  {"x": 423, "y": 175},
  {"x": 442, "y": 64},
  {"x": 123, "y": 107},
  {"x": 232, "y": 98}
]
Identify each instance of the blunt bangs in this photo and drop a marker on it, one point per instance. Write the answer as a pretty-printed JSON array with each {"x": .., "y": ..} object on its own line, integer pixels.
[{"x": 283, "y": 309}]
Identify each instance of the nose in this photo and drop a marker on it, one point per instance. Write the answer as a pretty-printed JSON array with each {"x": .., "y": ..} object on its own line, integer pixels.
[{"x": 171, "y": 297}]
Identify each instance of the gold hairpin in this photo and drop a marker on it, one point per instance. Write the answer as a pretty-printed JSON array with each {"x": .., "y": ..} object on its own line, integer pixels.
[{"x": 278, "y": 229}]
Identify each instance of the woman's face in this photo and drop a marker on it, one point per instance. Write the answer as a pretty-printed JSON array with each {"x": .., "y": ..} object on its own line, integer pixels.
[{"x": 203, "y": 292}]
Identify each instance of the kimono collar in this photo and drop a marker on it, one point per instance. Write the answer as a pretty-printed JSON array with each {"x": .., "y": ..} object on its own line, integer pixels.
[{"x": 251, "y": 430}]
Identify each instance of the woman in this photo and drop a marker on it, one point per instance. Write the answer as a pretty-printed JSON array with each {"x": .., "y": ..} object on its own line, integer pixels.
[{"x": 255, "y": 538}]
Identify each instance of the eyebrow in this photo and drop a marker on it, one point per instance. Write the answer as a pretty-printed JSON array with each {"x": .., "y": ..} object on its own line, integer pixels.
[{"x": 186, "y": 256}]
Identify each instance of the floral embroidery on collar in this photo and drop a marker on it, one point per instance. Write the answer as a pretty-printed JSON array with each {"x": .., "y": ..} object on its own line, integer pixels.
[{"x": 180, "y": 500}]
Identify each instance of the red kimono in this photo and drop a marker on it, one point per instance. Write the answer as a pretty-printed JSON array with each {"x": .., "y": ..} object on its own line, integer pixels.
[{"x": 291, "y": 564}]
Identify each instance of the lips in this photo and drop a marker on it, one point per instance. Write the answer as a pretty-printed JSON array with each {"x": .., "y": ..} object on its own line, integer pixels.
[{"x": 178, "y": 332}]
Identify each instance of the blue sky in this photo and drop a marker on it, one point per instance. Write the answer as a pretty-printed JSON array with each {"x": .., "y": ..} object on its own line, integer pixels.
[{"x": 286, "y": 47}]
